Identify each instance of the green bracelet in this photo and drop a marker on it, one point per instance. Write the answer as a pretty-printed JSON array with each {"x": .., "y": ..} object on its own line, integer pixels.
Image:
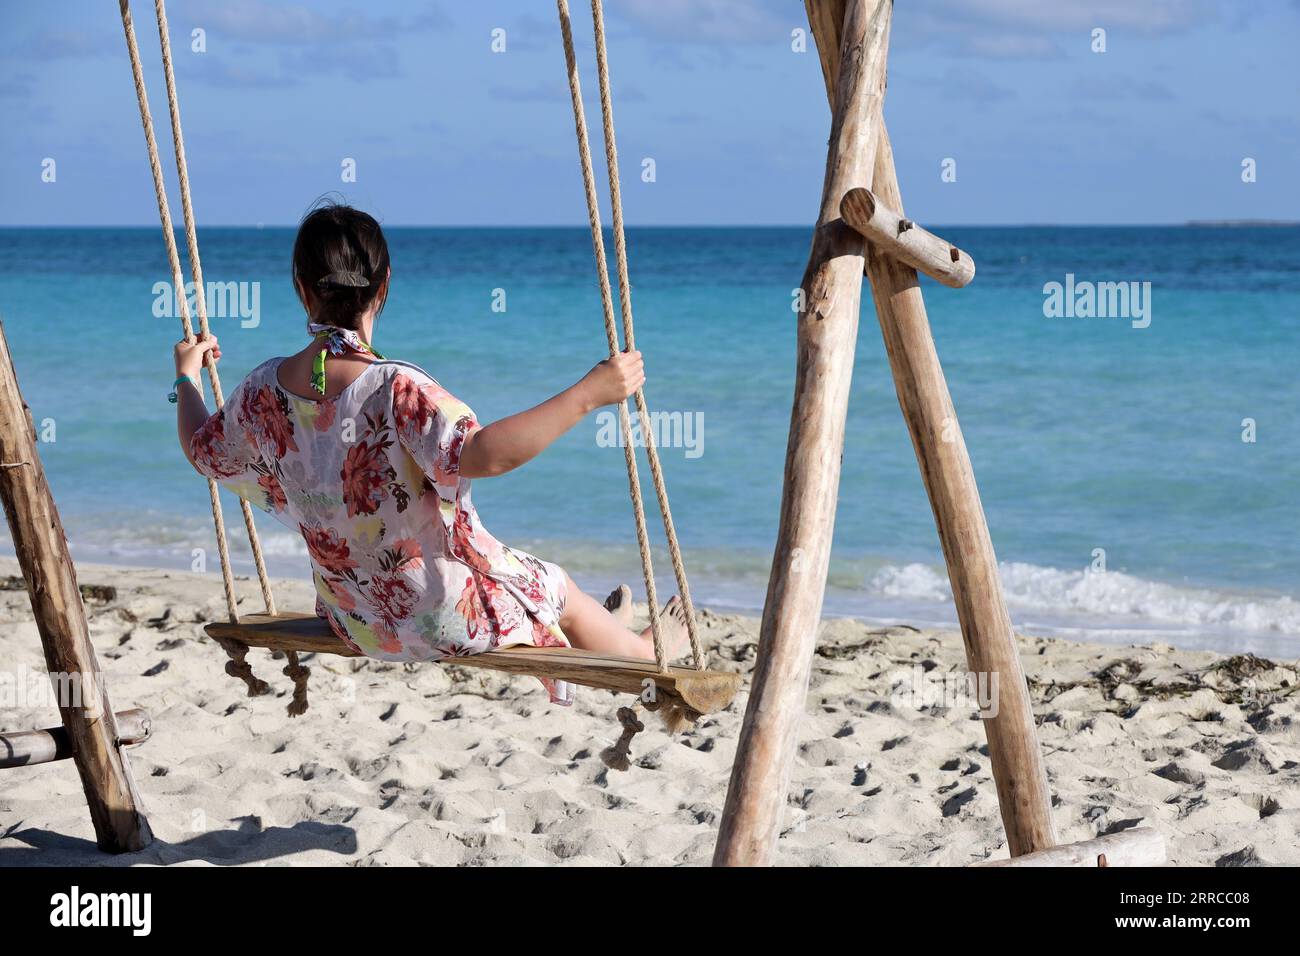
[{"x": 172, "y": 396}]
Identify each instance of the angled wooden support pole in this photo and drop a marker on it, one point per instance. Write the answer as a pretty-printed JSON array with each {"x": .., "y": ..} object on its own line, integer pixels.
[
  {"x": 945, "y": 465},
  {"x": 927, "y": 407},
  {"x": 893, "y": 235},
  {"x": 42, "y": 552},
  {"x": 827, "y": 334}
]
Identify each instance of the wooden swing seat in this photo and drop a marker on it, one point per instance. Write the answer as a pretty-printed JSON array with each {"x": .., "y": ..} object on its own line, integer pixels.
[{"x": 701, "y": 691}]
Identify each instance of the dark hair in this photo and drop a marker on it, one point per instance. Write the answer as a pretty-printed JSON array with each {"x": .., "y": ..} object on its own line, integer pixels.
[{"x": 341, "y": 258}]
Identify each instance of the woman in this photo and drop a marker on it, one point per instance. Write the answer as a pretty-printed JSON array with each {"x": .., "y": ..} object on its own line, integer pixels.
[{"x": 371, "y": 460}]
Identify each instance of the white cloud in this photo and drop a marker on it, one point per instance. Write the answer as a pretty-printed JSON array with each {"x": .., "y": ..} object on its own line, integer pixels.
[
  {"x": 711, "y": 21},
  {"x": 1147, "y": 16},
  {"x": 261, "y": 21},
  {"x": 1036, "y": 29}
]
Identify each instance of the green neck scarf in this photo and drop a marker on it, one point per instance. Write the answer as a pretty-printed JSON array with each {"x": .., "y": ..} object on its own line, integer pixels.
[{"x": 334, "y": 341}]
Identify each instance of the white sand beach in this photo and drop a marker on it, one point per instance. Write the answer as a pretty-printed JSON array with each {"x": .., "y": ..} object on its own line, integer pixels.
[{"x": 441, "y": 765}]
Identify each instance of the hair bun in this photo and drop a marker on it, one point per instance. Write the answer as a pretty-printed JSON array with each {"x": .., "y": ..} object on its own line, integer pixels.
[{"x": 343, "y": 280}]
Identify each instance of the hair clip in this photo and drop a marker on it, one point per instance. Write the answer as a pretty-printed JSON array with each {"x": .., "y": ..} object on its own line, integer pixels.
[{"x": 352, "y": 280}]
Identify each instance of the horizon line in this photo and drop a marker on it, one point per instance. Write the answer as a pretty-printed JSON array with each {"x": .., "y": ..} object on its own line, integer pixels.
[{"x": 1213, "y": 222}]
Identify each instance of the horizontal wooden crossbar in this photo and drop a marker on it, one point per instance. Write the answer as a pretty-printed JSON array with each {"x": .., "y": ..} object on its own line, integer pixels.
[
  {"x": 23, "y": 748},
  {"x": 1140, "y": 846},
  {"x": 701, "y": 691},
  {"x": 893, "y": 235}
]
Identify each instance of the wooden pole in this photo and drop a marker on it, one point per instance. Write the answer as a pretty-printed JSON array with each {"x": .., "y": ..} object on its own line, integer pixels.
[
  {"x": 827, "y": 333},
  {"x": 1141, "y": 846},
  {"x": 25, "y": 748},
  {"x": 1018, "y": 772},
  {"x": 42, "y": 551},
  {"x": 900, "y": 238}
]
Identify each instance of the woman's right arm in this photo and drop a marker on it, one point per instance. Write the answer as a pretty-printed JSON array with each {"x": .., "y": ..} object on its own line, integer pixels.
[
  {"x": 191, "y": 410},
  {"x": 506, "y": 444}
]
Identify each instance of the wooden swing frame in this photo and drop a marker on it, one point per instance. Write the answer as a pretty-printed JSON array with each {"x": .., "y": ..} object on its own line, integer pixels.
[
  {"x": 91, "y": 734},
  {"x": 861, "y": 228}
]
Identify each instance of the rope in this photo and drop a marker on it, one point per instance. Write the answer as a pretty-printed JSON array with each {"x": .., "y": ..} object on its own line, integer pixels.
[
  {"x": 625, "y": 301},
  {"x": 611, "y": 330},
  {"x": 618, "y": 756},
  {"x": 196, "y": 268},
  {"x": 297, "y": 673},
  {"x": 237, "y": 666},
  {"x": 178, "y": 281}
]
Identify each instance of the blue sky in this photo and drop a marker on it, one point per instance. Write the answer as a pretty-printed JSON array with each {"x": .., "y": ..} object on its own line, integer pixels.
[{"x": 444, "y": 131}]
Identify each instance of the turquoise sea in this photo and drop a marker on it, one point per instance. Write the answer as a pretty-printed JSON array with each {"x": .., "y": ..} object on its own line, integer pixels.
[{"x": 1091, "y": 439}]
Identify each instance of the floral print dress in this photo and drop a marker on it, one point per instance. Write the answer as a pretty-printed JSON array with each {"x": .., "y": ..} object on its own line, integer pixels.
[{"x": 403, "y": 567}]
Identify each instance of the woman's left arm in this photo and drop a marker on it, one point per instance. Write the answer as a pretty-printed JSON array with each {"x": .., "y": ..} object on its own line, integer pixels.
[
  {"x": 506, "y": 444},
  {"x": 191, "y": 411}
]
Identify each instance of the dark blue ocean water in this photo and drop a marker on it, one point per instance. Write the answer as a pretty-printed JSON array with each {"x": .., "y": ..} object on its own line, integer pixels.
[{"x": 1086, "y": 433}]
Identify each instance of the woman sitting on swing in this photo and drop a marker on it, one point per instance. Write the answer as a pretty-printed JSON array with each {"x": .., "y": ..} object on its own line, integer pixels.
[{"x": 371, "y": 460}]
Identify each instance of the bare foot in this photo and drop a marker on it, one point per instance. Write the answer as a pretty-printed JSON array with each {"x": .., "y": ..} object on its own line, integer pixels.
[
  {"x": 619, "y": 604},
  {"x": 672, "y": 627}
]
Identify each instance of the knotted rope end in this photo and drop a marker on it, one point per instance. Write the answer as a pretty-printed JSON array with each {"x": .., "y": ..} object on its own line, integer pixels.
[
  {"x": 617, "y": 757},
  {"x": 298, "y": 674}
]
